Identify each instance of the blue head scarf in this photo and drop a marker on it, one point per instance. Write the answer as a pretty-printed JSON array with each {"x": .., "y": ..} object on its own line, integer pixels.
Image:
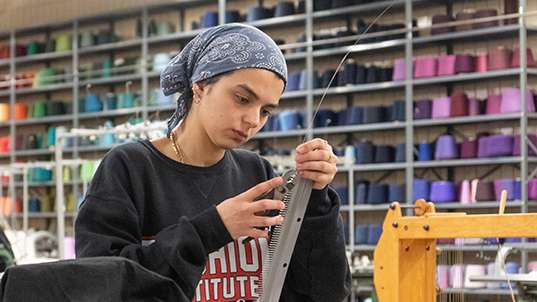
[{"x": 217, "y": 50}]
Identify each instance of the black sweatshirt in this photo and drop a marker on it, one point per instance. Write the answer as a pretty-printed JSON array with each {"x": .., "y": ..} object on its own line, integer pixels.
[{"x": 162, "y": 214}]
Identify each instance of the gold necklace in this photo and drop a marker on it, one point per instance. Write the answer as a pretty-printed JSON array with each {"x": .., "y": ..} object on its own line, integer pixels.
[{"x": 178, "y": 151}]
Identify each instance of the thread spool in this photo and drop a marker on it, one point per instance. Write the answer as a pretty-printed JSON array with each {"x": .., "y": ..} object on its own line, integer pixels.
[
  {"x": 377, "y": 193},
  {"x": 465, "y": 64},
  {"x": 464, "y": 16},
  {"x": 474, "y": 270},
  {"x": 385, "y": 154},
  {"x": 441, "y": 107},
  {"x": 284, "y": 9},
  {"x": 530, "y": 61},
  {"x": 446, "y": 148},
  {"x": 507, "y": 184},
  {"x": 446, "y": 65},
  {"x": 160, "y": 61},
  {"x": 361, "y": 75},
  {"x": 233, "y": 16},
  {"x": 485, "y": 14},
  {"x": 355, "y": 115},
  {"x": 457, "y": 275},
  {"x": 459, "y": 104},
  {"x": 400, "y": 153},
  {"x": 4, "y": 112},
  {"x": 360, "y": 234},
  {"x": 289, "y": 120},
  {"x": 438, "y": 19},
  {"x": 482, "y": 61},
  {"x": 375, "y": 114},
  {"x": 511, "y": 101},
  {"x": 423, "y": 109},
  {"x": 499, "y": 145},
  {"x": 104, "y": 37},
  {"x": 362, "y": 192},
  {"x": 399, "y": 70},
  {"x": 365, "y": 152},
  {"x": 510, "y": 268},
  {"x": 396, "y": 112},
  {"x": 425, "y": 152},
  {"x": 422, "y": 189},
  {"x": 442, "y": 276},
  {"x": 350, "y": 155},
  {"x": 373, "y": 233},
  {"x": 343, "y": 193},
  {"x": 500, "y": 58},
  {"x": 494, "y": 104},
  {"x": 442, "y": 191}
]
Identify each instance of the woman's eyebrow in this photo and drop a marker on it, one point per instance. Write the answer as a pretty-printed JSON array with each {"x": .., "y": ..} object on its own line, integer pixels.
[{"x": 248, "y": 90}]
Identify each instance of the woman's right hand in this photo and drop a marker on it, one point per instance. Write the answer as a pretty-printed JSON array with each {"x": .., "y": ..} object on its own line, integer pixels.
[{"x": 241, "y": 214}]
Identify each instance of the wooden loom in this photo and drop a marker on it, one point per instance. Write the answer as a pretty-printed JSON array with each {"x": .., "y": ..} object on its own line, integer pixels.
[{"x": 405, "y": 257}]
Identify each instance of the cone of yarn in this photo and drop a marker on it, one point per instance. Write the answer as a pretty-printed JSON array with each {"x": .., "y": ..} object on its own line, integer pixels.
[
  {"x": 426, "y": 67},
  {"x": 500, "y": 58},
  {"x": 4, "y": 112},
  {"x": 530, "y": 61},
  {"x": 459, "y": 104},
  {"x": 511, "y": 101},
  {"x": 474, "y": 270},
  {"x": 21, "y": 112},
  {"x": 481, "y": 64},
  {"x": 465, "y": 192},
  {"x": 446, "y": 65},
  {"x": 484, "y": 14},
  {"x": 442, "y": 19},
  {"x": 463, "y": 17},
  {"x": 441, "y": 107},
  {"x": 494, "y": 104}
]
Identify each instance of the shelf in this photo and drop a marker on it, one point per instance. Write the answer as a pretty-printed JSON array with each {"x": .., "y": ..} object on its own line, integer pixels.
[
  {"x": 472, "y": 119},
  {"x": 110, "y": 46},
  {"x": 445, "y": 205},
  {"x": 361, "y": 10},
  {"x": 4, "y": 62},
  {"x": 472, "y": 162},
  {"x": 479, "y": 291},
  {"x": 500, "y": 32},
  {"x": 360, "y": 128},
  {"x": 46, "y": 119},
  {"x": 185, "y": 35},
  {"x": 374, "y": 167},
  {"x": 358, "y": 88},
  {"x": 110, "y": 80},
  {"x": 43, "y": 215},
  {"x": 472, "y": 76},
  {"x": 52, "y": 87},
  {"x": 332, "y": 130},
  {"x": 285, "y": 21},
  {"x": 110, "y": 113},
  {"x": 45, "y": 56}
]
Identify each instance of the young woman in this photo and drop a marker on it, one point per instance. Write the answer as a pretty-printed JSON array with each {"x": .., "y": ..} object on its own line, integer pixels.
[{"x": 180, "y": 205}]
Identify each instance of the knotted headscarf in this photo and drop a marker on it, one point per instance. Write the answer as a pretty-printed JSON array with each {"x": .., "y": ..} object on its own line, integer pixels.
[{"x": 217, "y": 50}]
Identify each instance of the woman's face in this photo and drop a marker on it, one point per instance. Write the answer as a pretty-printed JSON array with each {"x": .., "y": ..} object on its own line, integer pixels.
[{"x": 234, "y": 109}]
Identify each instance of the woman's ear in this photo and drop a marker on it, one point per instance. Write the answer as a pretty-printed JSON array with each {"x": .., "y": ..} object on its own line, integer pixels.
[{"x": 197, "y": 89}]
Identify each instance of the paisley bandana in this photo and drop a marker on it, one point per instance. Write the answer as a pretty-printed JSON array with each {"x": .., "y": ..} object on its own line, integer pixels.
[{"x": 217, "y": 50}]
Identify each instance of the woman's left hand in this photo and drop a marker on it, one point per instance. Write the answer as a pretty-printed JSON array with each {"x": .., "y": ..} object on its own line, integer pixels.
[{"x": 316, "y": 160}]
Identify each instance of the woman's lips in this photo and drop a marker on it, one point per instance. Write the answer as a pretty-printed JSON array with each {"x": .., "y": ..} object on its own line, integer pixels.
[{"x": 239, "y": 135}]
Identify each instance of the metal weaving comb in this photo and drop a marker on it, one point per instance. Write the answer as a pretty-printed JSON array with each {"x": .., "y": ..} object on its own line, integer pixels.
[{"x": 297, "y": 191}]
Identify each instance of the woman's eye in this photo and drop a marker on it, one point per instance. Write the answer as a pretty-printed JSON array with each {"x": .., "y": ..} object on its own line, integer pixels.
[
  {"x": 265, "y": 112},
  {"x": 243, "y": 100}
]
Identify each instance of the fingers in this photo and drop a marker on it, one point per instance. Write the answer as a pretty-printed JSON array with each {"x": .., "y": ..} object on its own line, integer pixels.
[
  {"x": 261, "y": 188},
  {"x": 316, "y": 143},
  {"x": 316, "y": 160}
]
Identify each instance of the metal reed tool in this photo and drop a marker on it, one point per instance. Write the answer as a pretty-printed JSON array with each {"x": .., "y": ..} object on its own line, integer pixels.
[{"x": 296, "y": 193}]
